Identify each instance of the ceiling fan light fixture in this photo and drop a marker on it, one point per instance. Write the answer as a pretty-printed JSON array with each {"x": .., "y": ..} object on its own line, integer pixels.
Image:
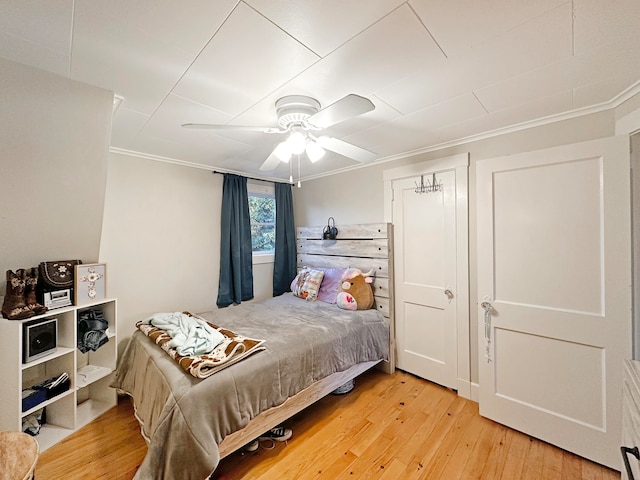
[
  {"x": 302, "y": 118},
  {"x": 283, "y": 151},
  {"x": 314, "y": 151},
  {"x": 297, "y": 142}
]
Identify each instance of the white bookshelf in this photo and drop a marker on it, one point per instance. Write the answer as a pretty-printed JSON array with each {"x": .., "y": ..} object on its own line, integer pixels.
[{"x": 89, "y": 395}]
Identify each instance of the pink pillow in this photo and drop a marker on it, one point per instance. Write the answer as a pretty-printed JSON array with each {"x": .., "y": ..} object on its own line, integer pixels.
[{"x": 330, "y": 284}]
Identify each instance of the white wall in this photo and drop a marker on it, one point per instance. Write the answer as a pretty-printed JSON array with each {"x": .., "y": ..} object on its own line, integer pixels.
[
  {"x": 161, "y": 239},
  {"x": 358, "y": 196},
  {"x": 54, "y": 140},
  {"x": 262, "y": 281}
]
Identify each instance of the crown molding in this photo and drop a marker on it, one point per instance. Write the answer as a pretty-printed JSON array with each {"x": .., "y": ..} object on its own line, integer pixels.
[
  {"x": 611, "y": 104},
  {"x": 175, "y": 161}
]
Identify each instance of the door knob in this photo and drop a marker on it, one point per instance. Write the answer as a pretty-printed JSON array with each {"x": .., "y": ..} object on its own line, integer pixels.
[{"x": 449, "y": 294}]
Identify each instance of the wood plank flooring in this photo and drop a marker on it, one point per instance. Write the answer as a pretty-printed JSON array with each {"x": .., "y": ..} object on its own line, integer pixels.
[{"x": 389, "y": 427}]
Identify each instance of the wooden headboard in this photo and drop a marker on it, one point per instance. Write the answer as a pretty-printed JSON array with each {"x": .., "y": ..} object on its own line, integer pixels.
[{"x": 364, "y": 246}]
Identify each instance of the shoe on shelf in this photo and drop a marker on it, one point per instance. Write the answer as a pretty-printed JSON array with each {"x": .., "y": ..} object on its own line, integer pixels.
[
  {"x": 252, "y": 446},
  {"x": 279, "y": 434}
]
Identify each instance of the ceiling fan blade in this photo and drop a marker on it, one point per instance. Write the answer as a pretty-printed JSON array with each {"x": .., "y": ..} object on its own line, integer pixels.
[
  {"x": 270, "y": 163},
  {"x": 346, "y": 149},
  {"x": 347, "y": 107},
  {"x": 237, "y": 128}
]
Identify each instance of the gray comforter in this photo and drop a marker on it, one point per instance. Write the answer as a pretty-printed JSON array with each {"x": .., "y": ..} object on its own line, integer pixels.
[{"x": 184, "y": 418}]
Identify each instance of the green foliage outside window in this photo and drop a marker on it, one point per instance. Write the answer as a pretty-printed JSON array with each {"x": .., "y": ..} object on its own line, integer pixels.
[{"x": 262, "y": 211}]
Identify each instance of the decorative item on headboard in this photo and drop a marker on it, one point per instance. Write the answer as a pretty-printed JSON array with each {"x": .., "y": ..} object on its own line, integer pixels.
[
  {"x": 355, "y": 291},
  {"x": 330, "y": 232}
]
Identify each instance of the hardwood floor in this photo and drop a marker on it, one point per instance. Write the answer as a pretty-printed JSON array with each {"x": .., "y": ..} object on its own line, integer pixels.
[{"x": 389, "y": 427}]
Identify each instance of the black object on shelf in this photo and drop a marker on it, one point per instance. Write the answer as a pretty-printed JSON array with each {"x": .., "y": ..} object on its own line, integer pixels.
[
  {"x": 92, "y": 330},
  {"x": 54, "y": 386}
]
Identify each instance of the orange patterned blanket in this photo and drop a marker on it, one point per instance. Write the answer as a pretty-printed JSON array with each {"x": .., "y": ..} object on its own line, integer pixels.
[{"x": 233, "y": 349}]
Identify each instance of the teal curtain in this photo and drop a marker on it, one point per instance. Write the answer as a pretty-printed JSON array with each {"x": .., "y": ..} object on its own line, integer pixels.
[
  {"x": 284, "y": 267},
  {"x": 236, "y": 262}
]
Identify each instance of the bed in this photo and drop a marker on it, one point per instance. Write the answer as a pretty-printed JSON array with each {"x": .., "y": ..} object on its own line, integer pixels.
[{"x": 309, "y": 350}]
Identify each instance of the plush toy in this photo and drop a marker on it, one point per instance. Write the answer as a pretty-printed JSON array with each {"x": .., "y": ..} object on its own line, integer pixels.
[{"x": 356, "y": 292}]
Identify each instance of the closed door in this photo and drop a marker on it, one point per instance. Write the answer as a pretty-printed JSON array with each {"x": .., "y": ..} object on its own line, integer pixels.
[
  {"x": 425, "y": 273},
  {"x": 554, "y": 287}
]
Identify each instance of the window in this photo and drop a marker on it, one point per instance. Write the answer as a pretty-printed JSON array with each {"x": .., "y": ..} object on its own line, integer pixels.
[{"x": 262, "y": 211}]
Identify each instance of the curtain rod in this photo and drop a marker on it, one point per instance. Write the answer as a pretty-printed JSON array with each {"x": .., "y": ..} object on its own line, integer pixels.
[{"x": 250, "y": 178}]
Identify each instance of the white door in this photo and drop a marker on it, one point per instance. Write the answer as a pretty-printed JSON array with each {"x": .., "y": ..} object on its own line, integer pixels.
[
  {"x": 425, "y": 279},
  {"x": 554, "y": 273}
]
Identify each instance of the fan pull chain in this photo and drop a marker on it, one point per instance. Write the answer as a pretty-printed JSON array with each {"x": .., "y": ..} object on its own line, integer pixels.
[
  {"x": 291, "y": 173},
  {"x": 299, "y": 184}
]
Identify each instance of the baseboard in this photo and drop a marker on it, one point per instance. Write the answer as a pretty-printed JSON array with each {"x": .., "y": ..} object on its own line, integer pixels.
[
  {"x": 464, "y": 388},
  {"x": 475, "y": 392}
]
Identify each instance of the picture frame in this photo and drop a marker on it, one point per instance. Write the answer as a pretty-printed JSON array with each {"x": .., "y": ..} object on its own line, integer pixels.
[{"x": 90, "y": 283}]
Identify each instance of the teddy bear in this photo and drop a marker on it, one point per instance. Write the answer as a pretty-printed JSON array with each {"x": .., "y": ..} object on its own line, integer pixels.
[{"x": 355, "y": 291}]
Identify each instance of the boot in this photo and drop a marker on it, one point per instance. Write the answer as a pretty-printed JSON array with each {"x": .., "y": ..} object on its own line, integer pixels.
[
  {"x": 13, "y": 306},
  {"x": 30, "y": 292}
]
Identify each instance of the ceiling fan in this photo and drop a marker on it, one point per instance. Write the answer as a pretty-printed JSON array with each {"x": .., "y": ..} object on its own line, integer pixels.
[{"x": 301, "y": 117}]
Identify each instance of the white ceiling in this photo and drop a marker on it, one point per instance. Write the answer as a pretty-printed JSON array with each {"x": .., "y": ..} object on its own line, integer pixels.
[{"x": 437, "y": 71}]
